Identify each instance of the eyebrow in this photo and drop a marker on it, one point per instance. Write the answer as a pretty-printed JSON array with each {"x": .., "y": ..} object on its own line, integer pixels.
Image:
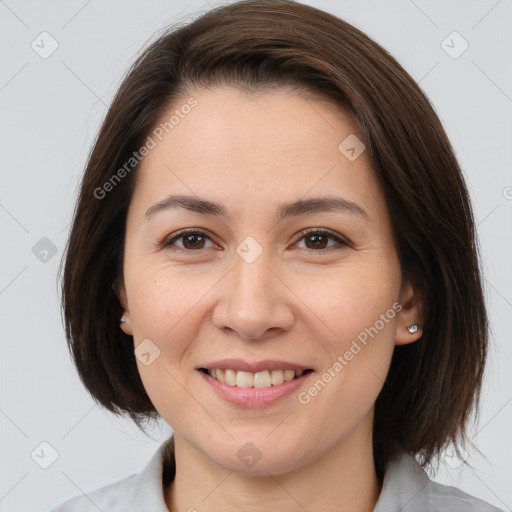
[{"x": 295, "y": 208}]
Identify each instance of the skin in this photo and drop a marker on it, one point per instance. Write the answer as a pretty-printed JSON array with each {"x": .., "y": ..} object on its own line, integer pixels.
[{"x": 199, "y": 301}]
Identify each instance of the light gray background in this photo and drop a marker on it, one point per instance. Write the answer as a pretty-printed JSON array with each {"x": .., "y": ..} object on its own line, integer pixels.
[{"x": 51, "y": 109}]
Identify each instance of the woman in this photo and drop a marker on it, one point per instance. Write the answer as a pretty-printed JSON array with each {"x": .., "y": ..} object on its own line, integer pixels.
[{"x": 274, "y": 251}]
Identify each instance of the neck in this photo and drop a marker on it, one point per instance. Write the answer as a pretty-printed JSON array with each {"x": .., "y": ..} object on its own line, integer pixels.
[{"x": 343, "y": 479}]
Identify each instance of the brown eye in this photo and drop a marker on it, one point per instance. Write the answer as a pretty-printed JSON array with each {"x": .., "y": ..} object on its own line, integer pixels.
[
  {"x": 191, "y": 240},
  {"x": 195, "y": 240},
  {"x": 318, "y": 239}
]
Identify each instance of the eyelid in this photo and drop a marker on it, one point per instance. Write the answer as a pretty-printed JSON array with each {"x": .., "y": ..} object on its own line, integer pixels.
[
  {"x": 323, "y": 231},
  {"x": 166, "y": 241}
]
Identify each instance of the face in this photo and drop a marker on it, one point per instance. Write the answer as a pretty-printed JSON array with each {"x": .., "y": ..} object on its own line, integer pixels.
[{"x": 253, "y": 286}]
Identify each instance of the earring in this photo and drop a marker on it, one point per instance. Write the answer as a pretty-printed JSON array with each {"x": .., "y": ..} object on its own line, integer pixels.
[
  {"x": 413, "y": 328},
  {"x": 123, "y": 319}
]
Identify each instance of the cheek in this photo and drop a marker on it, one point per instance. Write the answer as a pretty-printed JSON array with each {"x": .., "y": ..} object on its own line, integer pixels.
[
  {"x": 359, "y": 309},
  {"x": 356, "y": 299},
  {"x": 164, "y": 318},
  {"x": 162, "y": 304}
]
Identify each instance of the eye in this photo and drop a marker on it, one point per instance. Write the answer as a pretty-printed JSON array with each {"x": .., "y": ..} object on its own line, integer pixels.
[
  {"x": 193, "y": 239},
  {"x": 319, "y": 237}
]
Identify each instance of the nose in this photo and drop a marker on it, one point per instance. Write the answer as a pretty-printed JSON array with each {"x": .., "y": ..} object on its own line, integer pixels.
[{"x": 254, "y": 300}]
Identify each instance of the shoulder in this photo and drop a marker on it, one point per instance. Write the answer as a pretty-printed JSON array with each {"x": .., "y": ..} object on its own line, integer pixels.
[
  {"x": 109, "y": 497},
  {"x": 408, "y": 488},
  {"x": 142, "y": 491},
  {"x": 445, "y": 498}
]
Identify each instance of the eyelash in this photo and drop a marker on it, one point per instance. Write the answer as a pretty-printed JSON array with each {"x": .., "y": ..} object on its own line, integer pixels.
[{"x": 311, "y": 232}]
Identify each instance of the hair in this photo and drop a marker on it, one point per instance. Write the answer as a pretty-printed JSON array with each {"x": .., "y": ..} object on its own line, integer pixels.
[{"x": 433, "y": 384}]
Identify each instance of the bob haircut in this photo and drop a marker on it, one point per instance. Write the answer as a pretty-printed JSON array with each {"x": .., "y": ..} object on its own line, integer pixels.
[{"x": 433, "y": 384}]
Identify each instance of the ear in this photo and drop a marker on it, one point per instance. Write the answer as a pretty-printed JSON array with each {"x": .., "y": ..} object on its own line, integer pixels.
[
  {"x": 120, "y": 291},
  {"x": 412, "y": 312}
]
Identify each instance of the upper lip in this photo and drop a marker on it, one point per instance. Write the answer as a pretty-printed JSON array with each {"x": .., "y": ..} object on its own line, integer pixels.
[{"x": 255, "y": 366}]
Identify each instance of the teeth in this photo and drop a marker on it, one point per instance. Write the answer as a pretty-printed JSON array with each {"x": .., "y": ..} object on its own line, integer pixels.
[
  {"x": 244, "y": 379},
  {"x": 230, "y": 377},
  {"x": 263, "y": 379},
  {"x": 289, "y": 375},
  {"x": 277, "y": 377}
]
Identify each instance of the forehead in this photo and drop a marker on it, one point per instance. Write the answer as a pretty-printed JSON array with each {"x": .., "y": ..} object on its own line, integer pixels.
[{"x": 279, "y": 144}]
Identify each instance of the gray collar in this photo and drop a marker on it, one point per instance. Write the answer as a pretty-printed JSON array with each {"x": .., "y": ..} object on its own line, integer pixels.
[{"x": 404, "y": 483}]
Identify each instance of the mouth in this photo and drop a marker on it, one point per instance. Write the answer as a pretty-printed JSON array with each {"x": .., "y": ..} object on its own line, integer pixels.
[
  {"x": 260, "y": 388},
  {"x": 262, "y": 379}
]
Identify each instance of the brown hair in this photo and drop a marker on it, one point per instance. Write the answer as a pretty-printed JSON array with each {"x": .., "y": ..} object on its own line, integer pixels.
[{"x": 433, "y": 384}]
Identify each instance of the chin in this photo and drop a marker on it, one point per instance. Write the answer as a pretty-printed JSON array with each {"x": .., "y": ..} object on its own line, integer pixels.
[{"x": 258, "y": 458}]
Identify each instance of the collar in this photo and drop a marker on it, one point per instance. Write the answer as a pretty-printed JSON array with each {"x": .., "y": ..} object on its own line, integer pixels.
[
  {"x": 404, "y": 481},
  {"x": 146, "y": 489}
]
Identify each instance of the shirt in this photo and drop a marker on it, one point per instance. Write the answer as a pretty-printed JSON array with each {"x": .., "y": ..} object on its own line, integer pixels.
[{"x": 406, "y": 488}]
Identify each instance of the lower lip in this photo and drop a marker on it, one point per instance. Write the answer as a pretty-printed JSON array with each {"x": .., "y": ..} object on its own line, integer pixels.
[{"x": 254, "y": 397}]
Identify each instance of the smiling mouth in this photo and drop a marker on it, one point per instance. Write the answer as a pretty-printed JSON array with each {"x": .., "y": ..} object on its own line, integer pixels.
[{"x": 263, "y": 379}]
